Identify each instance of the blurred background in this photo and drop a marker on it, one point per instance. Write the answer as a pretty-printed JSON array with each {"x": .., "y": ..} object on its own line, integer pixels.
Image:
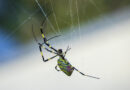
[{"x": 98, "y": 32}]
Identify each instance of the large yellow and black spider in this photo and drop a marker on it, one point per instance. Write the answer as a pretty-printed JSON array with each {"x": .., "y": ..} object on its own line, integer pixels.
[{"x": 63, "y": 63}]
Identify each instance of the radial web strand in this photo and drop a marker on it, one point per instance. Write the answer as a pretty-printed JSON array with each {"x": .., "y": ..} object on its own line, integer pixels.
[
  {"x": 25, "y": 21},
  {"x": 78, "y": 18},
  {"x": 46, "y": 16}
]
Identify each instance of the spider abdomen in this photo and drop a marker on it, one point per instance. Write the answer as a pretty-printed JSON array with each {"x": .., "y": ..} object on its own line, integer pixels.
[{"x": 65, "y": 66}]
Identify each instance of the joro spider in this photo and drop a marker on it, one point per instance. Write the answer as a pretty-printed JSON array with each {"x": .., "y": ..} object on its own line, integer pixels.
[{"x": 63, "y": 63}]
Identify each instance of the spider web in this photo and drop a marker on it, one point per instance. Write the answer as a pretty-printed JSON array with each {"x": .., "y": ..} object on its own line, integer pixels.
[{"x": 72, "y": 4}]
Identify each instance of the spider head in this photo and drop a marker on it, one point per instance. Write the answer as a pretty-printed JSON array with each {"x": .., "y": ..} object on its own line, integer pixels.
[{"x": 60, "y": 51}]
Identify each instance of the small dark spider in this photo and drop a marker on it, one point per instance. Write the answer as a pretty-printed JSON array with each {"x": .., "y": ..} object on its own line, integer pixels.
[{"x": 63, "y": 63}]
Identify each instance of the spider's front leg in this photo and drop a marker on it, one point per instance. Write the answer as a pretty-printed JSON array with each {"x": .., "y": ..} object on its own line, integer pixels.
[
  {"x": 45, "y": 60},
  {"x": 42, "y": 46},
  {"x": 46, "y": 41}
]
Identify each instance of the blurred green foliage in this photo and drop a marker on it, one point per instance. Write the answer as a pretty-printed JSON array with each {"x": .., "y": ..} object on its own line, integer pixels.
[{"x": 15, "y": 17}]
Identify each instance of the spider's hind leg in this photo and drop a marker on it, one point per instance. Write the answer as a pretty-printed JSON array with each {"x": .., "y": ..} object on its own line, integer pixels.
[{"x": 85, "y": 74}]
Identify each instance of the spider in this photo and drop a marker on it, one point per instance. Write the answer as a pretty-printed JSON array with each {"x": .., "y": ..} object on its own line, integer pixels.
[{"x": 62, "y": 62}]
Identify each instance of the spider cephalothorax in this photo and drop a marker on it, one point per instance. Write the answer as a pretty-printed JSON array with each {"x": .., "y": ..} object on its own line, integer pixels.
[{"x": 60, "y": 51}]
